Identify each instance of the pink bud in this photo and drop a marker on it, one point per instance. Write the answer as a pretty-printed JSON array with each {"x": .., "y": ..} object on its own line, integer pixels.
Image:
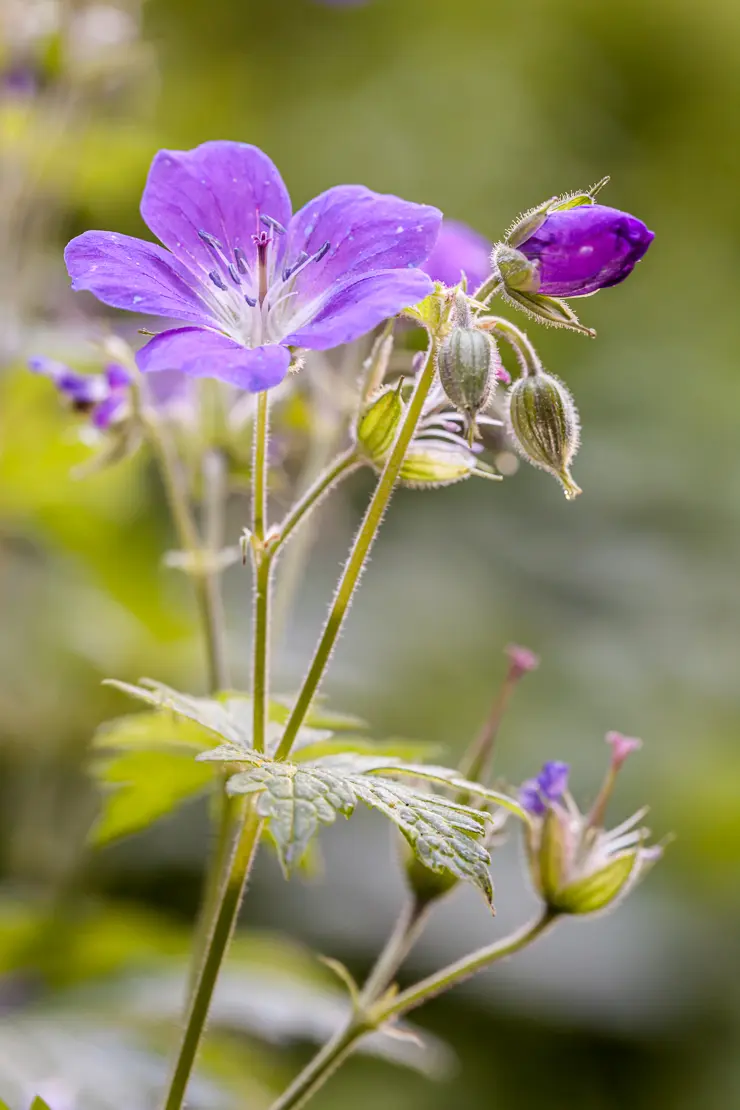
[
  {"x": 502, "y": 375},
  {"x": 622, "y": 746},
  {"x": 521, "y": 660}
]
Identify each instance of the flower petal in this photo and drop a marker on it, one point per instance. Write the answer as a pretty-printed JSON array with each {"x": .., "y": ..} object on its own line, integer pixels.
[
  {"x": 208, "y": 354},
  {"x": 358, "y": 305},
  {"x": 459, "y": 250},
  {"x": 366, "y": 231},
  {"x": 130, "y": 273},
  {"x": 219, "y": 187}
]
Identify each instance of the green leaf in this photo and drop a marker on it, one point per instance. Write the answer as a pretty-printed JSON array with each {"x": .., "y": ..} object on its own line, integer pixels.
[
  {"x": 37, "y": 1104},
  {"x": 143, "y": 786},
  {"x": 296, "y": 799}
]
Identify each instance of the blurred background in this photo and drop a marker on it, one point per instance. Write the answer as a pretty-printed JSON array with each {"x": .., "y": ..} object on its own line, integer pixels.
[{"x": 629, "y": 595}]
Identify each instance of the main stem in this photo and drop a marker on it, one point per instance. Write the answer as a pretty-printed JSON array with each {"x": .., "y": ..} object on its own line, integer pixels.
[
  {"x": 218, "y": 942},
  {"x": 244, "y": 847},
  {"x": 358, "y": 554}
]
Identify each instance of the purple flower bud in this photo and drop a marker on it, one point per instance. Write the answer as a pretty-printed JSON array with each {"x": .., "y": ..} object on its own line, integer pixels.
[
  {"x": 583, "y": 249},
  {"x": 459, "y": 250}
]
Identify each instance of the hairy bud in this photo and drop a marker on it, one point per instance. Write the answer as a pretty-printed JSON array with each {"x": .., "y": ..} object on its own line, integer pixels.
[
  {"x": 379, "y": 423},
  {"x": 467, "y": 364},
  {"x": 544, "y": 422}
]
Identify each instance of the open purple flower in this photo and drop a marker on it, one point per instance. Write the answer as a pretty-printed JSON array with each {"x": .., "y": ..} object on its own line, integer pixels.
[
  {"x": 248, "y": 279},
  {"x": 459, "y": 250},
  {"x": 106, "y": 396},
  {"x": 583, "y": 249}
]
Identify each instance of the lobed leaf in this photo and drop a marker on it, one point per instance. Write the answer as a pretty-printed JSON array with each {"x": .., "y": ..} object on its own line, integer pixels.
[{"x": 296, "y": 799}]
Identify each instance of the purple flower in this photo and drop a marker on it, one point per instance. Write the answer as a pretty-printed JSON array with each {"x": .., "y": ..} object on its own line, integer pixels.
[
  {"x": 583, "y": 249},
  {"x": 536, "y": 795},
  {"x": 459, "y": 250},
  {"x": 104, "y": 396},
  {"x": 247, "y": 279},
  {"x": 521, "y": 659}
]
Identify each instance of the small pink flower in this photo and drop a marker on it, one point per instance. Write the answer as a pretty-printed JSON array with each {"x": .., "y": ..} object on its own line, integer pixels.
[
  {"x": 521, "y": 660},
  {"x": 622, "y": 747}
]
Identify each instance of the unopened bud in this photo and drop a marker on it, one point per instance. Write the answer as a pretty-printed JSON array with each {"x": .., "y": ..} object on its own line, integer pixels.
[
  {"x": 467, "y": 363},
  {"x": 379, "y": 423},
  {"x": 544, "y": 422}
]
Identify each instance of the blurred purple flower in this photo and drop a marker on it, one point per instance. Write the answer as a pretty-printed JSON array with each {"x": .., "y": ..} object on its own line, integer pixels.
[
  {"x": 104, "y": 396},
  {"x": 250, "y": 280},
  {"x": 459, "y": 250},
  {"x": 581, "y": 250},
  {"x": 535, "y": 795}
]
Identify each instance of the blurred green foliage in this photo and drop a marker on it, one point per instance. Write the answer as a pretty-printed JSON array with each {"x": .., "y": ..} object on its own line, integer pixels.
[{"x": 629, "y": 595}]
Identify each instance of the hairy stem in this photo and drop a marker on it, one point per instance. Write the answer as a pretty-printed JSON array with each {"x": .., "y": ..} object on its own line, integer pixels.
[
  {"x": 462, "y": 969},
  {"x": 230, "y": 898},
  {"x": 262, "y": 567},
  {"x": 405, "y": 932},
  {"x": 359, "y": 553},
  {"x": 374, "y": 1014},
  {"x": 340, "y": 468}
]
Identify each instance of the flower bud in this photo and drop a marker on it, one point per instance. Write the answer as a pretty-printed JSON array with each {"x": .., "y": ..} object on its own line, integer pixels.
[
  {"x": 379, "y": 423},
  {"x": 544, "y": 423},
  {"x": 467, "y": 364}
]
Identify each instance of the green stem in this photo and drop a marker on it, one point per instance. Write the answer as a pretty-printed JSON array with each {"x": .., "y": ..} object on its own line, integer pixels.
[
  {"x": 322, "y": 1067},
  {"x": 461, "y": 970},
  {"x": 519, "y": 341},
  {"x": 262, "y": 568},
  {"x": 405, "y": 932},
  {"x": 342, "y": 466},
  {"x": 223, "y": 926},
  {"x": 326, "y": 1062},
  {"x": 358, "y": 554}
]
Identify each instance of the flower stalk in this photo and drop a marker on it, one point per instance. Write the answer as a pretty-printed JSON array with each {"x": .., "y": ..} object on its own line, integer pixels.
[
  {"x": 359, "y": 553},
  {"x": 374, "y": 1015}
]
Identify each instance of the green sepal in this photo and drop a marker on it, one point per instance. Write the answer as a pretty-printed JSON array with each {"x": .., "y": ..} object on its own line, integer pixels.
[
  {"x": 598, "y": 890},
  {"x": 551, "y": 310}
]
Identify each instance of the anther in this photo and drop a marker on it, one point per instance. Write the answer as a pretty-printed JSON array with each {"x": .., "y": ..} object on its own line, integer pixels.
[
  {"x": 251, "y": 301},
  {"x": 289, "y": 270},
  {"x": 234, "y": 275},
  {"x": 209, "y": 239},
  {"x": 272, "y": 224},
  {"x": 241, "y": 260},
  {"x": 217, "y": 280},
  {"x": 321, "y": 252}
]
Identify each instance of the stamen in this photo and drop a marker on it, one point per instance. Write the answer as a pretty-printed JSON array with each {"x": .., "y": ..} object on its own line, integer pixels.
[
  {"x": 241, "y": 260},
  {"x": 251, "y": 301},
  {"x": 209, "y": 240},
  {"x": 234, "y": 275},
  {"x": 272, "y": 224},
  {"x": 217, "y": 280},
  {"x": 290, "y": 270},
  {"x": 321, "y": 252}
]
